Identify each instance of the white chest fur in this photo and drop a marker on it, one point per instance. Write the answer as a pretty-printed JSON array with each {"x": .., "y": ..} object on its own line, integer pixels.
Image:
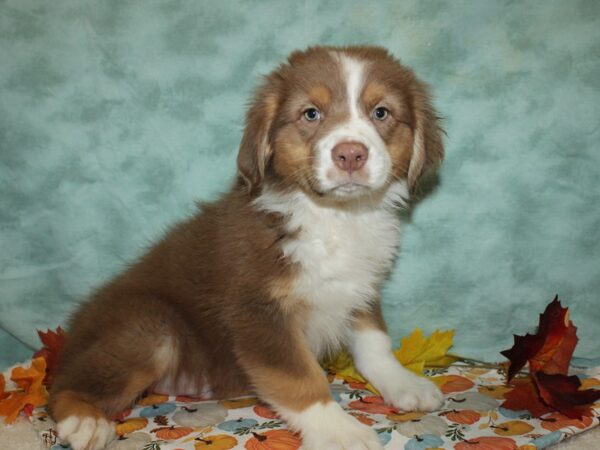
[{"x": 343, "y": 255}]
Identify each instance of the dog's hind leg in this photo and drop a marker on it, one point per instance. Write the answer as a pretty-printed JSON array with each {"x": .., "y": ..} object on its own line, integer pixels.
[{"x": 100, "y": 377}]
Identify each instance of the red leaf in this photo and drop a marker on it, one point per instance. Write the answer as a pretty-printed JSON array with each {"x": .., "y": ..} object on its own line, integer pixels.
[
  {"x": 562, "y": 393},
  {"x": 550, "y": 349},
  {"x": 549, "y": 353},
  {"x": 53, "y": 344},
  {"x": 525, "y": 396}
]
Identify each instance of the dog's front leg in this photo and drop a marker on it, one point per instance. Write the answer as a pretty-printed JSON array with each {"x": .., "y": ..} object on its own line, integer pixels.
[
  {"x": 372, "y": 352},
  {"x": 285, "y": 373}
]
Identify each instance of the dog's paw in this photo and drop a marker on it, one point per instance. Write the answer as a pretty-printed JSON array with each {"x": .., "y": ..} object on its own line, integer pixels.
[
  {"x": 327, "y": 426},
  {"x": 337, "y": 434},
  {"x": 413, "y": 393},
  {"x": 86, "y": 432}
]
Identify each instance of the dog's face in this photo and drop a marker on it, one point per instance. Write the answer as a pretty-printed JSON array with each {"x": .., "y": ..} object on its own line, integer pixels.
[{"x": 339, "y": 123}]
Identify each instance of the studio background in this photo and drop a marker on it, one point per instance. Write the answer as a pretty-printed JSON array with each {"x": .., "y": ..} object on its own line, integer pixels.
[{"x": 116, "y": 116}]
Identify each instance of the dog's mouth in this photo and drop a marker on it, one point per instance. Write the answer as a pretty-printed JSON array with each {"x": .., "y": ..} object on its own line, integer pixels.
[
  {"x": 349, "y": 188},
  {"x": 346, "y": 190}
]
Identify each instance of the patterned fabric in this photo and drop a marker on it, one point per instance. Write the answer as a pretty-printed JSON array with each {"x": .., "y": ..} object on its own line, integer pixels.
[{"x": 471, "y": 420}]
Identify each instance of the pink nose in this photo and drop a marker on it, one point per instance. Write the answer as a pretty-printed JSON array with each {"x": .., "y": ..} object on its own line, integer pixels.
[{"x": 350, "y": 156}]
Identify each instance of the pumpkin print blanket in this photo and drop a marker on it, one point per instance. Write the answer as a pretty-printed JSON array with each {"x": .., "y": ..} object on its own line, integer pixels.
[{"x": 471, "y": 419}]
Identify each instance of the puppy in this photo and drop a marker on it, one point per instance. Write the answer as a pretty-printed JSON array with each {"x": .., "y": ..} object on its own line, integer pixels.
[{"x": 282, "y": 271}]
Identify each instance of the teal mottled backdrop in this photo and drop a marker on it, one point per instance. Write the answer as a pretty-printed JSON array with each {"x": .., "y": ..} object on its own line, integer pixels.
[{"x": 115, "y": 116}]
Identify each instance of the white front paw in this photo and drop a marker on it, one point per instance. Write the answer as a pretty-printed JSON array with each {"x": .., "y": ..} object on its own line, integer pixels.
[
  {"x": 86, "y": 432},
  {"x": 412, "y": 393},
  {"x": 329, "y": 427}
]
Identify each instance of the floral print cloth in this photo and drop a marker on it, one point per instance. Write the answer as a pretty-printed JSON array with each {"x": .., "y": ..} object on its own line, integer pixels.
[{"x": 471, "y": 419}]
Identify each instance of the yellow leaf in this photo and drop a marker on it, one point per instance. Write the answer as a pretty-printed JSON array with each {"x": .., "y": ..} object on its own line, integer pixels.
[
  {"x": 343, "y": 366},
  {"x": 445, "y": 361},
  {"x": 416, "y": 367},
  {"x": 416, "y": 351}
]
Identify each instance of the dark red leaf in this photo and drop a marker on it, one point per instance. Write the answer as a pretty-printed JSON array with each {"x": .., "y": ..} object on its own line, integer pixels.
[
  {"x": 562, "y": 393},
  {"x": 550, "y": 349},
  {"x": 548, "y": 353},
  {"x": 523, "y": 349},
  {"x": 525, "y": 396},
  {"x": 53, "y": 344}
]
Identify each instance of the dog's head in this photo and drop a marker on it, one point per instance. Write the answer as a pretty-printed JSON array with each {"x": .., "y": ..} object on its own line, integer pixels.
[{"x": 340, "y": 123}]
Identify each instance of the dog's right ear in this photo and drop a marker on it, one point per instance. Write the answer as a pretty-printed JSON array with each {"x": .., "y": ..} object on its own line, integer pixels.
[
  {"x": 428, "y": 146},
  {"x": 255, "y": 148}
]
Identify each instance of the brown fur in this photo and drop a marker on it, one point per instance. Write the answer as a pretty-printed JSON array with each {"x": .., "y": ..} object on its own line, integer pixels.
[
  {"x": 69, "y": 403},
  {"x": 216, "y": 293},
  {"x": 174, "y": 292}
]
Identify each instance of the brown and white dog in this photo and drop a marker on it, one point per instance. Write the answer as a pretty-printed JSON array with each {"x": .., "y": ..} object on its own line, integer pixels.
[{"x": 283, "y": 270}]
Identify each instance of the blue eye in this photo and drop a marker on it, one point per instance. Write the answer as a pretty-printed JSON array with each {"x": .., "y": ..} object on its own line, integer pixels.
[
  {"x": 380, "y": 113},
  {"x": 312, "y": 114}
]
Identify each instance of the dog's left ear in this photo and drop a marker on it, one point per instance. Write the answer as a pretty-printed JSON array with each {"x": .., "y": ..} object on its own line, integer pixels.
[
  {"x": 428, "y": 146},
  {"x": 255, "y": 148}
]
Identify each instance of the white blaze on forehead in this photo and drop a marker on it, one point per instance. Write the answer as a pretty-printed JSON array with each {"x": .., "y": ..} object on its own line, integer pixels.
[
  {"x": 358, "y": 127},
  {"x": 354, "y": 75}
]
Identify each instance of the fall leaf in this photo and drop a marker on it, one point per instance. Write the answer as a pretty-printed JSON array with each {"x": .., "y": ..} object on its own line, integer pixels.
[
  {"x": 548, "y": 353},
  {"x": 343, "y": 367},
  {"x": 30, "y": 390},
  {"x": 562, "y": 393},
  {"x": 53, "y": 344},
  {"x": 550, "y": 349},
  {"x": 416, "y": 352}
]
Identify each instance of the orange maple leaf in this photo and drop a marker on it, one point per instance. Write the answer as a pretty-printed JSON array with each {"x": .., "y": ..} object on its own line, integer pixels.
[
  {"x": 550, "y": 349},
  {"x": 525, "y": 396},
  {"x": 548, "y": 353},
  {"x": 53, "y": 344},
  {"x": 30, "y": 391}
]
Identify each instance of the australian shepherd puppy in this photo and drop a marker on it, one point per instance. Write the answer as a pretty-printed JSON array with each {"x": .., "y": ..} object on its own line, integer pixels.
[{"x": 252, "y": 292}]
